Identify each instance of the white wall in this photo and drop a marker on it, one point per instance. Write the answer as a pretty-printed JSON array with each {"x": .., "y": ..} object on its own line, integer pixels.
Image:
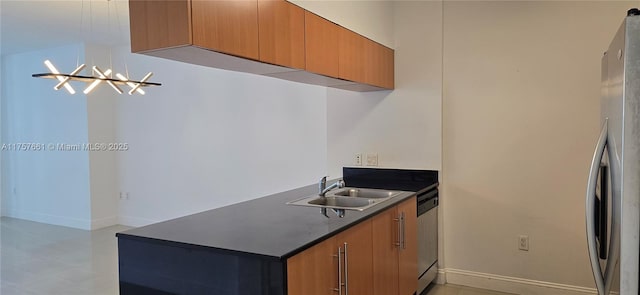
[
  {"x": 372, "y": 19},
  {"x": 521, "y": 113},
  {"x": 101, "y": 108},
  {"x": 45, "y": 186},
  {"x": 208, "y": 138},
  {"x": 205, "y": 139},
  {"x": 404, "y": 125}
]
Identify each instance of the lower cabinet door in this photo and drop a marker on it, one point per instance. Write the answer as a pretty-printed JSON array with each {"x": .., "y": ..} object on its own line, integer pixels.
[
  {"x": 408, "y": 262},
  {"x": 386, "y": 240},
  {"x": 314, "y": 271},
  {"x": 357, "y": 265},
  {"x": 375, "y": 257}
]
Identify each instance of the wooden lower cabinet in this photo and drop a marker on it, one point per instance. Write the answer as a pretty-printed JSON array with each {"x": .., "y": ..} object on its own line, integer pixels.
[
  {"x": 375, "y": 257},
  {"x": 386, "y": 238},
  {"x": 408, "y": 253},
  {"x": 313, "y": 271},
  {"x": 343, "y": 261},
  {"x": 357, "y": 263},
  {"x": 395, "y": 259}
]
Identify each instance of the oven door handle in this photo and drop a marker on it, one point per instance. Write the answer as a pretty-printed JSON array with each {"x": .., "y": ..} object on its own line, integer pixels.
[{"x": 421, "y": 198}]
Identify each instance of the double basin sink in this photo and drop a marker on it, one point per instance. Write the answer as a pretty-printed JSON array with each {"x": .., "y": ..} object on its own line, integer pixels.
[{"x": 347, "y": 198}]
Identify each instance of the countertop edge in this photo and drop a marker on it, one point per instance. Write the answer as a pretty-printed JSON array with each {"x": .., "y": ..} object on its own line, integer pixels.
[
  {"x": 376, "y": 210},
  {"x": 195, "y": 247}
]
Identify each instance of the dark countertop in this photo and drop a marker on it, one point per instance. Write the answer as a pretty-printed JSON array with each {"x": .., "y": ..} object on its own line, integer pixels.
[
  {"x": 264, "y": 226},
  {"x": 270, "y": 228}
]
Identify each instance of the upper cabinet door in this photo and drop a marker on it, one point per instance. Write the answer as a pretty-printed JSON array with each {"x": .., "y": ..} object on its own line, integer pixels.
[
  {"x": 159, "y": 24},
  {"x": 352, "y": 55},
  {"x": 281, "y": 33},
  {"x": 321, "y": 45},
  {"x": 227, "y": 26},
  {"x": 273, "y": 32},
  {"x": 380, "y": 65},
  {"x": 365, "y": 61}
]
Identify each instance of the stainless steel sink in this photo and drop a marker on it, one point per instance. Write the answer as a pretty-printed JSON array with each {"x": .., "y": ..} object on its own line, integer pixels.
[
  {"x": 340, "y": 202},
  {"x": 348, "y": 198},
  {"x": 365, "y": 193}
]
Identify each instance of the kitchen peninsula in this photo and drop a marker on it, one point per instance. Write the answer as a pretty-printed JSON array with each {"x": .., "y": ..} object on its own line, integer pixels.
[{"x": 242, "y": 248}]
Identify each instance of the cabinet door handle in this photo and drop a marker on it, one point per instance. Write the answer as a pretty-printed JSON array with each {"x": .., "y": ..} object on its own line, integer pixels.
[
  {"x": 339, "y": 289},
  {"x": 404, "y": 237},
  {"x": 346, "y": 270},
  {"x": 399, "y": 233}
]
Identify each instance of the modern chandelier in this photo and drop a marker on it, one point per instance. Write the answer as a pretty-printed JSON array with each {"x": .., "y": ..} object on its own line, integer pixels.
[
  {"x": 105, "y": 76},
  {"x": 96, "y": 76}
]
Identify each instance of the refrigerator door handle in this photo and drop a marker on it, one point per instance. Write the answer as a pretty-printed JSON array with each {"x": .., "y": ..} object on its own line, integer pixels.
[
  {"x": 590, "y": 207},
  {"x": 614, "y": 237}
]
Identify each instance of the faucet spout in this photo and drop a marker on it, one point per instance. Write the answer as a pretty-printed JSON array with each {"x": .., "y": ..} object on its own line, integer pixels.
[
  {"x": 323, "y": 189},
  {"x": 322, "y": 184},
  {"x": 337, "y": 184}
]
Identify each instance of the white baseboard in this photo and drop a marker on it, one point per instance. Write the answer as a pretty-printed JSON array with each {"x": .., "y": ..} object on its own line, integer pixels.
[
  {"x": 441, "y": 278},
  {"x": 50, "y": 219},
  {"x": 510, "y": 284},
  {"x": 135, "y": 221},
  {"x": 104, "y": 222}
]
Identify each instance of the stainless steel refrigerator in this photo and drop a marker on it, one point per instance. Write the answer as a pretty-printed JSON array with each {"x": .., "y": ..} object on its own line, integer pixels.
[{"x": 613, "y": 190}]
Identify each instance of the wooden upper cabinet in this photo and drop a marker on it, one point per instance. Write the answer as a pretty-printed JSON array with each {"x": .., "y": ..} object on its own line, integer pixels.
[
  {"x": 365, "y": 61},
  {"x": 380, "y": 65},
  {"x": 352, "y": 58},
  {"x": 227, "y": 26},
  {"x": 253, "y": 35},
  {"x": 321, "y": 45},
  {"x": 281, "y": 33},
  {"x": 159, "y": 24},
  {"x": 408, "y": 262}
]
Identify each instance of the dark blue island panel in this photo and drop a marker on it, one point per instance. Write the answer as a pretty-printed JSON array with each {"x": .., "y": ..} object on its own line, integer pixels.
[{"x": 156, "y": 267}]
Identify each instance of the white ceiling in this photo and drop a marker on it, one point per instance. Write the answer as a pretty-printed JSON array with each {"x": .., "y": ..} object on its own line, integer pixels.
[{"x": 35, "y": 24}]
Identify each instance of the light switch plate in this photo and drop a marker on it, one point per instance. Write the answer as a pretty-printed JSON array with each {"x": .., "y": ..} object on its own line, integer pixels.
[{"x": 372, "y": 159}]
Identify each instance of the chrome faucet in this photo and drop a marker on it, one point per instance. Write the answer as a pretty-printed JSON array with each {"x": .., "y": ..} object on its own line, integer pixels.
[{"x": 323, "y": 189}]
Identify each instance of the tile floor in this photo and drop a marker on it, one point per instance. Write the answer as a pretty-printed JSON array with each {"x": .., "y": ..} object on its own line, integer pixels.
[{"x": 37, "y": 258}]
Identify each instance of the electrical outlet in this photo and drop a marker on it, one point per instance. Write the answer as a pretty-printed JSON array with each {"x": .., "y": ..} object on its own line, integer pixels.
[
  {"x": 358, "y": 159},
  {"x": 372, "y": 159},
  {"x": 523, "y": 243},
  {"x": 124, "y": 196}
]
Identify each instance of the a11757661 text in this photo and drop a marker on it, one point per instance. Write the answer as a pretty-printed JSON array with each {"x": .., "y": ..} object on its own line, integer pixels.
[{"x": 65, "y": 147}]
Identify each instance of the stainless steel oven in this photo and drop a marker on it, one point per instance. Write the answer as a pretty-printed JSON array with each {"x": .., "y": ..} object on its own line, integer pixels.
[{"x": 427, "y": 238}]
